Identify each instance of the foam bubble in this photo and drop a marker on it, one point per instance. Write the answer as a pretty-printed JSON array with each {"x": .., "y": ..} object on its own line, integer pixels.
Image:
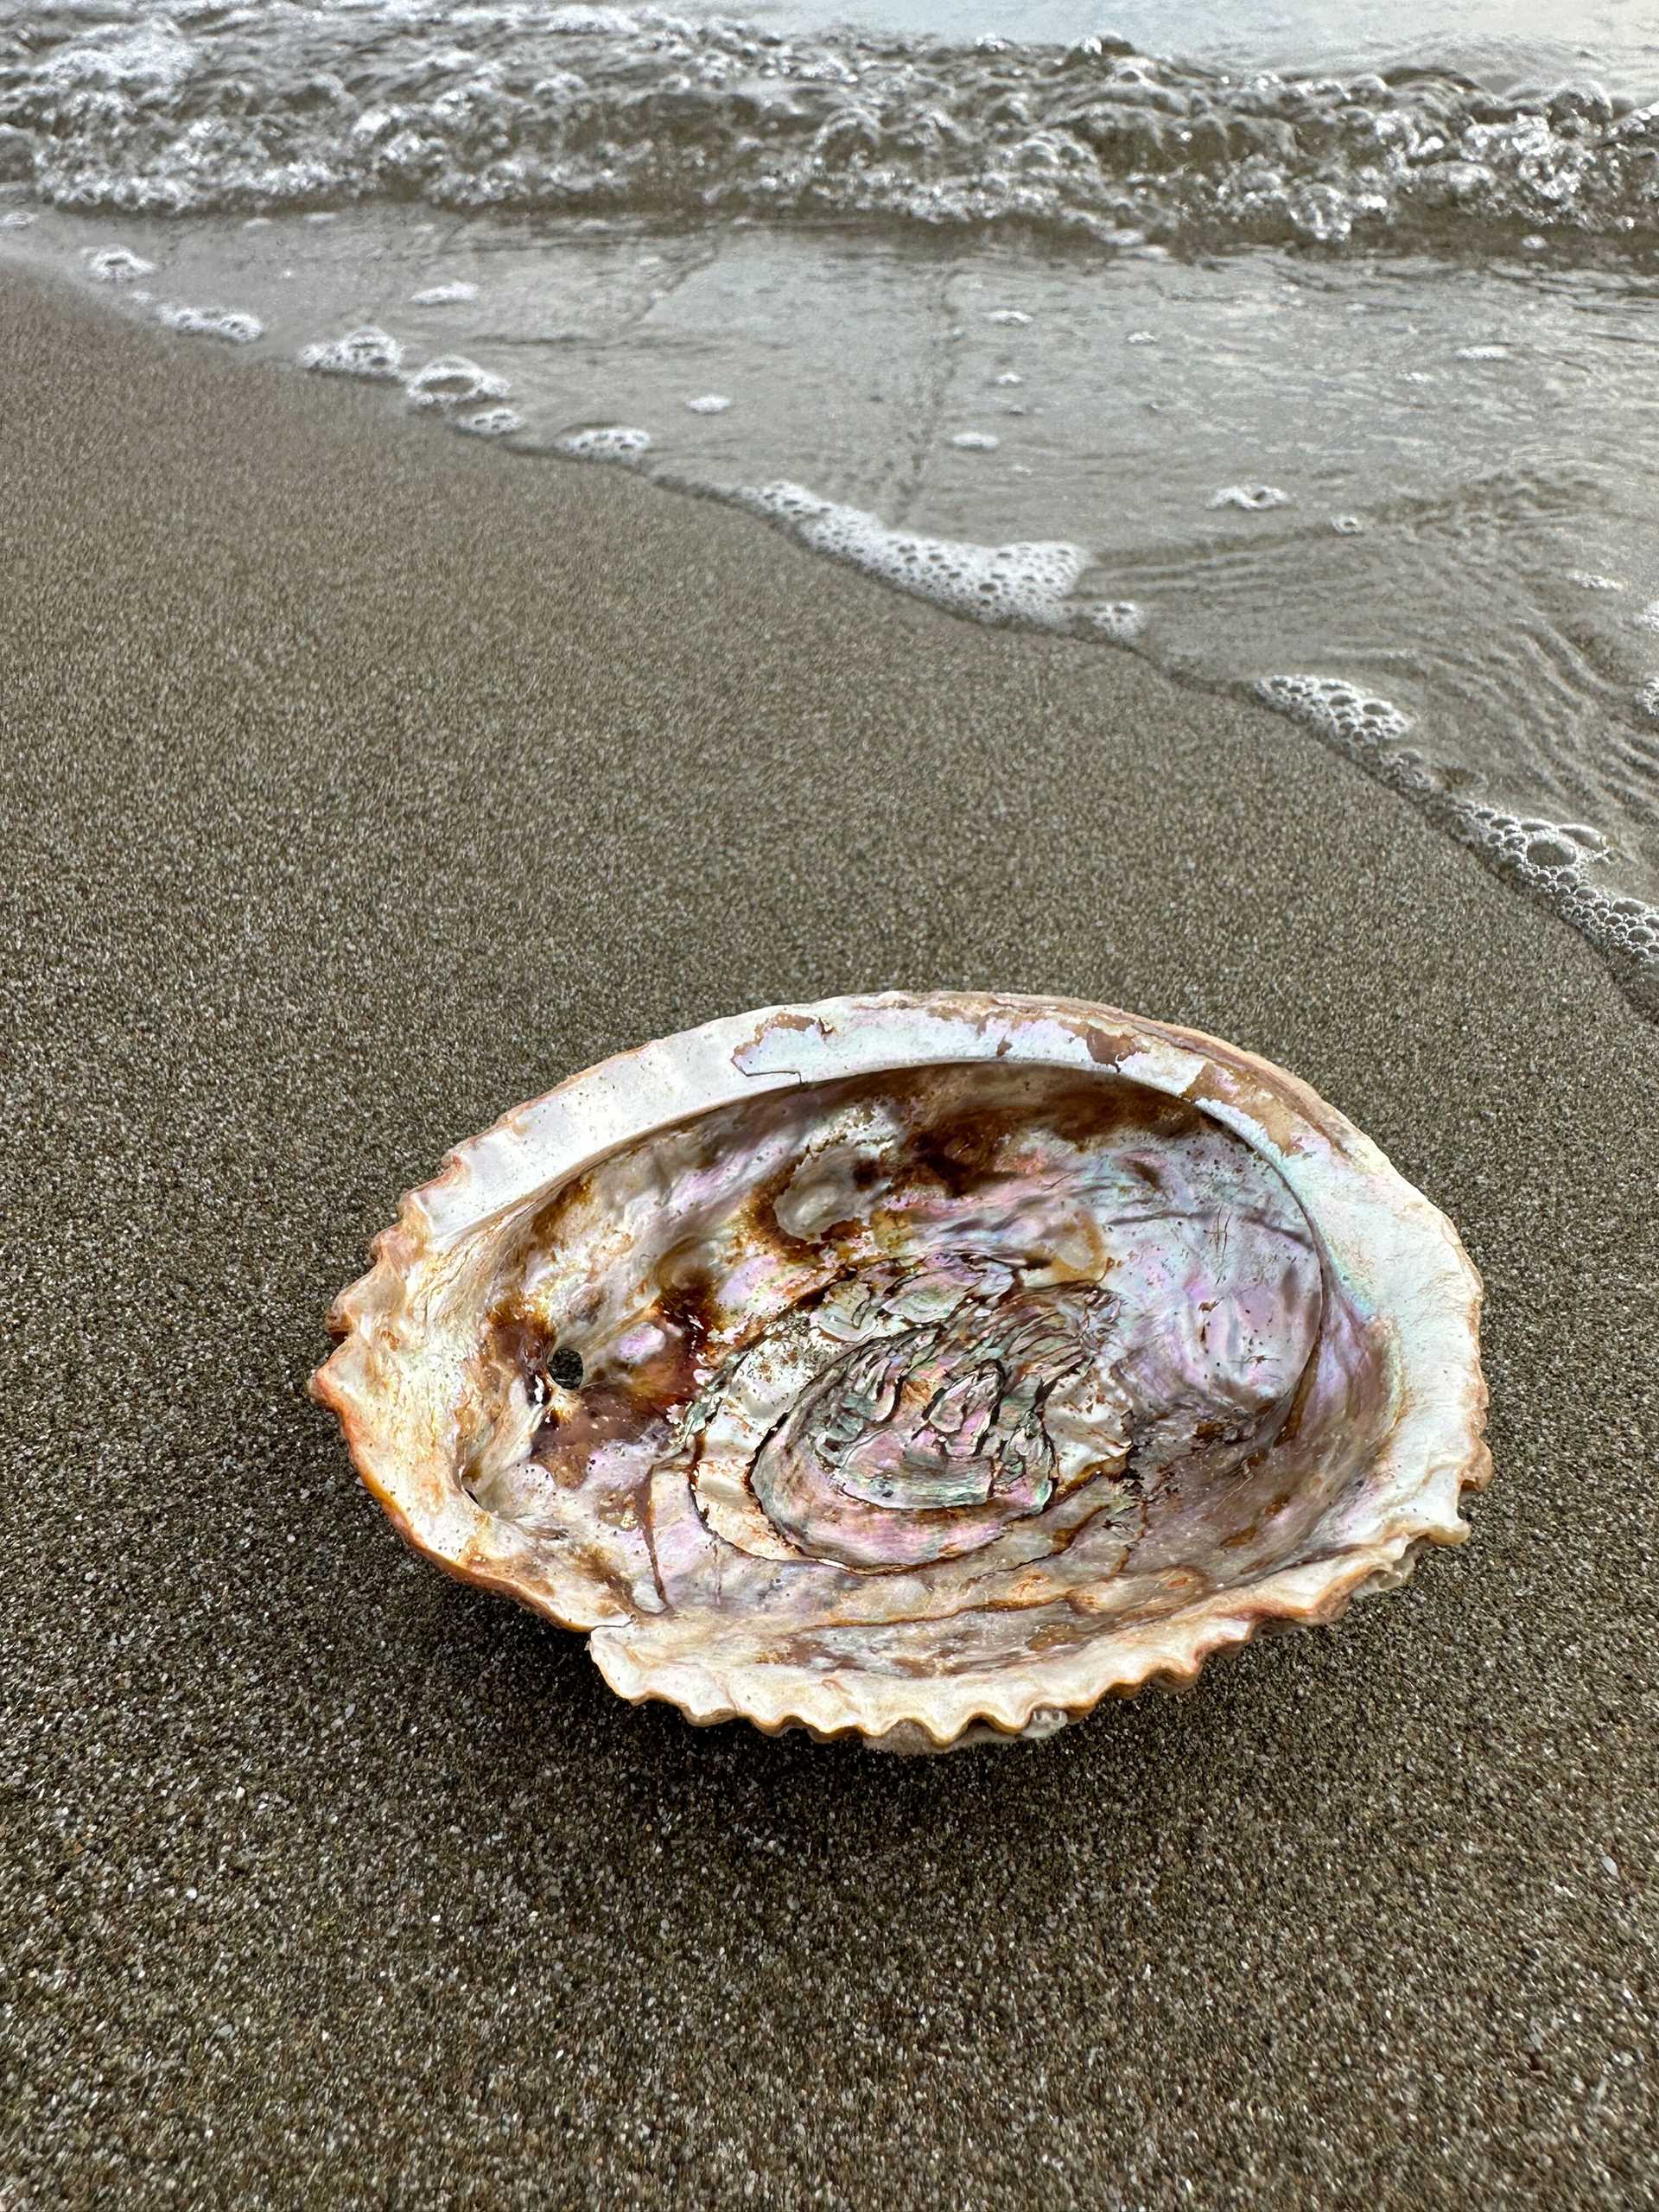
[
  {"x": 1587, "y": 580},
  {"x": 1029, "y": 584},
  {"x": 1626, "y": 925},
  {"x": 1347, "y": 526},
  {"x": 454, "y": 381},
  {"x": 154, "y": 56},
  {"x": 1143, "y": 338},
  {"x": 1543, "y": 846},
  {"x": 1548, "y": 852},
  {"x": 320, "y": 109},
  {"x": 1010, "y": 377},
  {"x": 712, "y": 403},
  {"x": 367, "y": 351},
  {"x": 1340, "y": 711},
  {"x": 444, "y": 295},
  {"x": 1121, "y": 621},
  {"x": 605, "y": 22},
  {"x": 1649, "y": 618},
  {"x": 976, "y": 442},
  {"x": 491, "y": 422},
  {"x": 1483, "y": 354},
  {"x": 119, "y": 265},
  {"x": 1010, "y": 317},
  {"x": 606, "y": 442},
  {"x": 1255, "y": 498},
  {"x": 1551, "y": 858},
  {"x": 18, "y": 219},
  {"x": 1647, "y": 699},
  {"x": 231, "y": 324}
]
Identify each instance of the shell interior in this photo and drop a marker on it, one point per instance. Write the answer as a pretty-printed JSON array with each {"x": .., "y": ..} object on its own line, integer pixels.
[{"x": 923, "y": 1395}]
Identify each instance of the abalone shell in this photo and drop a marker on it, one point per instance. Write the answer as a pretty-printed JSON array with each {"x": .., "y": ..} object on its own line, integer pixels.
[{"x": 925, "y": 1368}]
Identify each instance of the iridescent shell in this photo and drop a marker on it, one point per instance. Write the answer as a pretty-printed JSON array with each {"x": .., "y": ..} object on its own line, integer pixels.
[{"x": 927, "y": 1368}]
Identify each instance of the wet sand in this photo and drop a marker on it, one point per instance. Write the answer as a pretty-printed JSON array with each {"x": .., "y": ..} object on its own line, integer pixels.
[{"x": 358, "y": 782}]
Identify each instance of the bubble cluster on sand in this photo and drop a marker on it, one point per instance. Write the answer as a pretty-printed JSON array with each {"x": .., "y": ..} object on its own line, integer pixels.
[
  {"x": 1142, "y": 338},
  {"x": 1029, "y": 584},
  {"x": 18, "y": 219},
  {"x": 1013, "y": 318},
  {"x": 1551, "y": 851},
  {"x": 1347, "y": 526},
  {"x": 1587, "y": 580},
  {"x": 1254, "y": 498},
  {"x": 119, "y": 265},
  {"x": 976, "y": 442},
  {"x": 1119, "y": 620},
  {"x": 1647, "y": 699},
  {"x": 366, "y": 351},
  {"x": 1483, "y": 354},
  {"x": 231, "y": 324},
  {"x": 1340, "y": 711},
  {"x": 444, "y": 295},
  {"x": 711, "y": 403},
  {"x": 491, "y": 422},
  {"x": 606, "y": 442},
  {"x": 454, "y": 381},
  {"x": 1551, "y": 859}
]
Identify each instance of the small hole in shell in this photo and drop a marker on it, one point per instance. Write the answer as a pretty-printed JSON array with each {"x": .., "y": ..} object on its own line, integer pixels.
[{"x": 564, "y": 1368}]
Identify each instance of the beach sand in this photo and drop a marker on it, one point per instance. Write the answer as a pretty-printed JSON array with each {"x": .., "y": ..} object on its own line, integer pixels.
[{"x": 358, "y": 782}]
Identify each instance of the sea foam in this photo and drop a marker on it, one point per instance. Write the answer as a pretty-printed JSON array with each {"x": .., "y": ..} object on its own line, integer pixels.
[
  {"x": 367, "y": 352},
  {"x": 491, "y": 422},
  {"x": 1254, "y": 498},
  {"x": 231, "y": 324},
  {"x": 454, "y": 381},
  {"x": 1030, "y": 584},
  {"x": 119, "y": 265},
  {"x": 1551, "y": 859},
  {"x": 606, "y": 442},
  {"x": 269, "y": 106}
]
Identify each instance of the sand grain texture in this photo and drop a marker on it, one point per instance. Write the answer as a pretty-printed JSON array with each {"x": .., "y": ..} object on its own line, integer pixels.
[{"x": 357, "y": 783}]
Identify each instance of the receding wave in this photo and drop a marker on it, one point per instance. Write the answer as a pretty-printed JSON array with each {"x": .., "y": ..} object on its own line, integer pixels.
[{"x": 274, "y": 106}]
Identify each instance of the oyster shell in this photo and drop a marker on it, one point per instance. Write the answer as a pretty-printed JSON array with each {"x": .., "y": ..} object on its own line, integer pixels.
[{"x": 925, "y": 1367}]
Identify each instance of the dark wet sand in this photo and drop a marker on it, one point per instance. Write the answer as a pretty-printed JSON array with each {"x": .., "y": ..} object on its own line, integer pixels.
[{"x": 358, "y": 782}]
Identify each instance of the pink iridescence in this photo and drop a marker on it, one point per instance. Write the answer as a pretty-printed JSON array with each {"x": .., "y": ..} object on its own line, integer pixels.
[{"x": 950, "y": 1322}]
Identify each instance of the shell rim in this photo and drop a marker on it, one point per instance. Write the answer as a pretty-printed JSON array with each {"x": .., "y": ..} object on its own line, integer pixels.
[{"x": 373, "y": 1317}]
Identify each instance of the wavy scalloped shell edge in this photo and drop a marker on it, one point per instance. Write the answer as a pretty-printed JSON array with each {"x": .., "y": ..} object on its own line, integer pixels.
[{"x": 394, "y": 1377}]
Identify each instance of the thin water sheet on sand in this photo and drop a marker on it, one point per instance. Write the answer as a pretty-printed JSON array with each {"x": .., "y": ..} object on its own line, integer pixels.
[{"x": 354, "y": 792}]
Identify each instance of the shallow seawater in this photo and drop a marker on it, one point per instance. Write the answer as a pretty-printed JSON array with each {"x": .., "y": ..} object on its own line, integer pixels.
[{"x": 1335, "y": 387}]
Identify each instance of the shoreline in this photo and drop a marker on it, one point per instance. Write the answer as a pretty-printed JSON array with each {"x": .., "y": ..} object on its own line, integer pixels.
[
  {"x": 1323, "y": 709},
  {"x": 358, "y": 786}
]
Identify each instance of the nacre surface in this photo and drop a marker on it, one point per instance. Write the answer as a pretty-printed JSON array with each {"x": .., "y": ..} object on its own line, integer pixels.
[{"x": 922, "y": 1367}]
